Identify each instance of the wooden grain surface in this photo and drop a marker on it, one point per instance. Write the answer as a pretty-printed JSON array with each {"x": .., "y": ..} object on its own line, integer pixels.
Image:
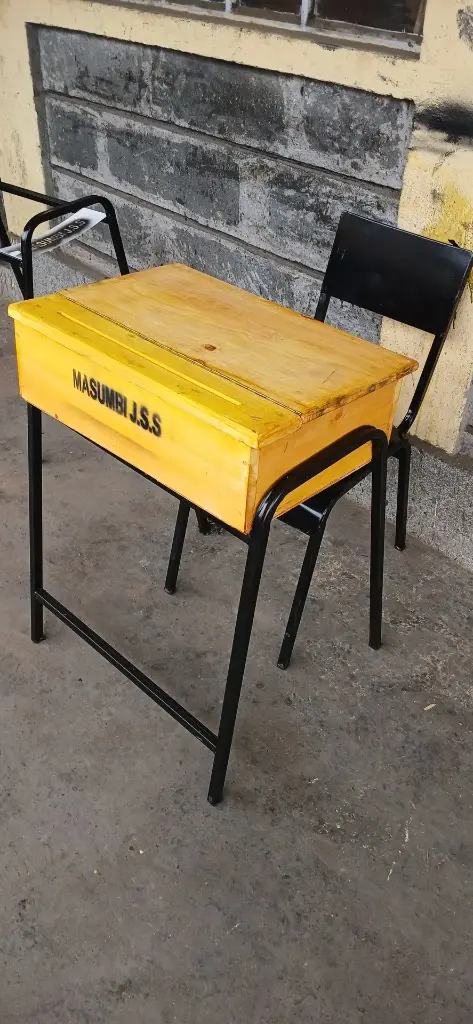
[
  {"x": 305, "y": 366},
  {"x": 213, "y": 392}
]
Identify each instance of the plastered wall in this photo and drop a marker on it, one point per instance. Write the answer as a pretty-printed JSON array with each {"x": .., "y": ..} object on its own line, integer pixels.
[{"x": 437, "y": 192}]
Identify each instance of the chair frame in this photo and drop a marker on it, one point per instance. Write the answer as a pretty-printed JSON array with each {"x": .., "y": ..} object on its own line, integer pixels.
[
  {"x": 399, "y": 445},
  {"x": 311, "y": 517},
  {"x": 23, "y": 269}
]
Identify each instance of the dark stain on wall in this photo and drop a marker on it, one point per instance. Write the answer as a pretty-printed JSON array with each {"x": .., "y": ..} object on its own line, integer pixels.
[
  {"x": 465, "y": 25},
  {"x": 455, "y": 120}
]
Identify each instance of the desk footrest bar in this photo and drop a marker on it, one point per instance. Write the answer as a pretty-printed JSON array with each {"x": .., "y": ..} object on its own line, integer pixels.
[{"x": 129, "y": 670}]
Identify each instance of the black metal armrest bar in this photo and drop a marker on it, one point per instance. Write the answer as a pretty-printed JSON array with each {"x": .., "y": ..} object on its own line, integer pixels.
[
  {"x": 23, "y": 269},
  {"x": 27, "y": 193},
  {"x": 63, "y": 210},
  {"x": 315, "y": 465}
]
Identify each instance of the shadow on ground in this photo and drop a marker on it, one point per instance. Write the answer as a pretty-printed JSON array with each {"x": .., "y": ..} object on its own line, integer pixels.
[{"x": 335, "y": 882}]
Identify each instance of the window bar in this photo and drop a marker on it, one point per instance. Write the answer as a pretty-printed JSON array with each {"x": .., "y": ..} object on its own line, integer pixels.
[
  {"x": 420, "y": 18},
  {"x": 306, "y": 10}
]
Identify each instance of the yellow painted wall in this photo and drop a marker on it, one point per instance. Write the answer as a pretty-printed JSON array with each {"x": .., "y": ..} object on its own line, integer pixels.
[{"x": 437, "y": 197}]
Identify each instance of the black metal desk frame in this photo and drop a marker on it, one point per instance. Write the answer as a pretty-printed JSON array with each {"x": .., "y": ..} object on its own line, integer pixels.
[{"x": 219, "y": 743}]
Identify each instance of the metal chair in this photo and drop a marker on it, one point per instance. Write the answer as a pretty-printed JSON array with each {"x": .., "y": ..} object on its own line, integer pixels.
[
  {"x": 408, "y": 278},
  {"x": 23, "y": 268}
]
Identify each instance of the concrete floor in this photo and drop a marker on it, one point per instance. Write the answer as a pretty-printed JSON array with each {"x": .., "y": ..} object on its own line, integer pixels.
[{"x": 335, "y": 882}]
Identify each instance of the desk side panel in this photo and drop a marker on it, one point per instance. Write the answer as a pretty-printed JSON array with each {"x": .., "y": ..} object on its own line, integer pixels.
[
  {"x": 191, "y": 456},
  {"x": 375, "y": 409}
]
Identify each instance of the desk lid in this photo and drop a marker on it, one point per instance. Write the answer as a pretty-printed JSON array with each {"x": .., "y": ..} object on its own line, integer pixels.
[{"x": 272, "y": 368}]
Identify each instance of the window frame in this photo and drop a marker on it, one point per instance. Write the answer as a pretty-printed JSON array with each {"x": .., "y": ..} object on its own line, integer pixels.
[
  {"x": 309, "y": 25},
  {"x": 416, "y": 30}
]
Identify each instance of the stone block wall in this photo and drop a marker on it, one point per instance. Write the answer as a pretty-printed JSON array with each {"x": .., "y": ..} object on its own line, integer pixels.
[{"x": 239, "y": 172}]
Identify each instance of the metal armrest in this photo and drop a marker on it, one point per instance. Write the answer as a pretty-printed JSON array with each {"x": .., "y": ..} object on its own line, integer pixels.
[
  {"x": 57, "y": 208},
  {"x": 27, "y": 193},
  {"x": 63, "y": 210},
  {"x": 318, "y": 464}
]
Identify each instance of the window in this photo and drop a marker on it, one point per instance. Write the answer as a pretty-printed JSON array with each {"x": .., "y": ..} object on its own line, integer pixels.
[
  {"x": 387, "y": 15},
  {"x": 399, "y": 16},
  {"x": 393, "y": 15},
  {"x": 389, "y": 24}
]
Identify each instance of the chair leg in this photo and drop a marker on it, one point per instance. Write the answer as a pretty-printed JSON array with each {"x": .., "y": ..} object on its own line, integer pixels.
[
  {"x": 378, "y": 526},
  {"x": 404, "y": 458},
  {"x": 177, "y": 546},
  {"x": 203, "y": 522},
  {"x": 236, "y": 668},
  {"x": 300, "y": 596},
  {"x": 35, "y": 489}
]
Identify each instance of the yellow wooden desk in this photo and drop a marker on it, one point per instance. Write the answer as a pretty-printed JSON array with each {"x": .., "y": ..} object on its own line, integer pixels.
[
  {"x": 213, "y": 391},
  {"x": 217, "y": 395}
]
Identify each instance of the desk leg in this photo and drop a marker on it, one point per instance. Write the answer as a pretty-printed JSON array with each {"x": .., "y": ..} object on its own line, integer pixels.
[
  {"x": 178, "y": 541},
  {"x": 35, "y": 489},
  {"x": 378, "y": 527},
  {"x": 236, "y": 668},
  {"x": 404, "y": 460},
  {"x": 177, "y": 546},
  {"x": 203, "y": 522}
]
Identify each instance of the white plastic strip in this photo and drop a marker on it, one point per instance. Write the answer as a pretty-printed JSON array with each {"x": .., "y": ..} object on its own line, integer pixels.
[{"x": 66, "y": 231}]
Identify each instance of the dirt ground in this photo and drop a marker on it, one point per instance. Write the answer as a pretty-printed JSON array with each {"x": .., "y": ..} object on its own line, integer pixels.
[{"x": 334, "y": 884}]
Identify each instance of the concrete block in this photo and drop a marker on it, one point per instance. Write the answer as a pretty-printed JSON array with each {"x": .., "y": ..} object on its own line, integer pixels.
[
  {"x": 345, "y": 130},
  {"x": 95, "y": 67},
  {"x": 8, "y": 287},
  {"x": 267, "y": 202},
  {"x": 72, "y": 133},
  {"x": 152, "y": 237}
]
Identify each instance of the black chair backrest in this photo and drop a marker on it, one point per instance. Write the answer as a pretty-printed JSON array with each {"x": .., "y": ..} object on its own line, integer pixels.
[{"x": 403, "y": 276}]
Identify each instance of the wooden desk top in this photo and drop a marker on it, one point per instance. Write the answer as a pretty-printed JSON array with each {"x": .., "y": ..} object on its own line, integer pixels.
[
  {"x": 209, "y": 390},
  {"x": 263, "y": 369}
]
